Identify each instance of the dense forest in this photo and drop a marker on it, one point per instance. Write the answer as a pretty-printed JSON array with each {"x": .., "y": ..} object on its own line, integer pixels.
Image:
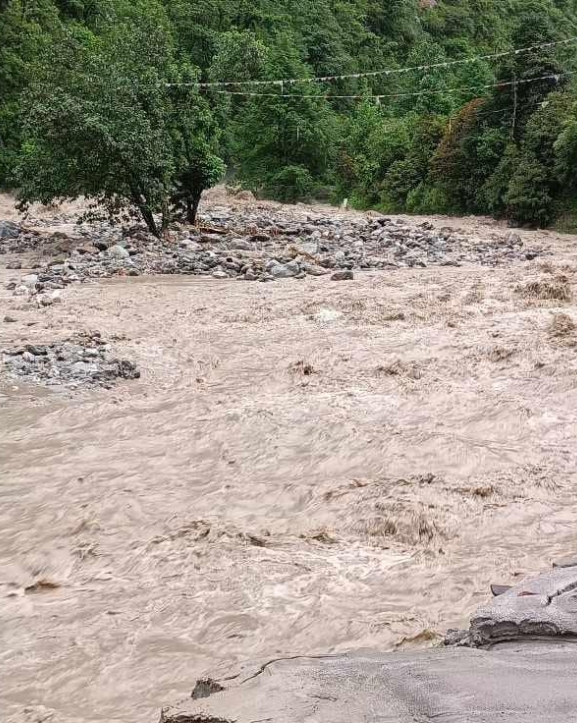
[{"x": 132, "y": 103}]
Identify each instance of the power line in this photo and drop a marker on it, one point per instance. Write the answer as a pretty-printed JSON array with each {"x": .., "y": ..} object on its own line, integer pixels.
[
  {"x": 381, "y": 96},
  {"x": 385, "y": 72}
]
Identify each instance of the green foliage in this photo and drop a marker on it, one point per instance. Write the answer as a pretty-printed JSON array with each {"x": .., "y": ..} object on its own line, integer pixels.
[
  {"x": 101, "y": 121},
  {"x": 528, "y": 195},
  {"x": 427, "y": 198},
  {"x": 290, "y": 184},
  {"x": 85, "y": 107},
  {"x": 535, "y": 182},
  {"x": 274, "y": 133},
  {"x": 566, "y": 150},
  {"x": 26, "y": 28}
]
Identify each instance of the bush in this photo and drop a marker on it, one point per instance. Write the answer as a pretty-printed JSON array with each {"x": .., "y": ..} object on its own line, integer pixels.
[
  {"x": 428, "y": 199},
  {"x": 528, "y": 200},
  {"x": 290, "y": 184}
]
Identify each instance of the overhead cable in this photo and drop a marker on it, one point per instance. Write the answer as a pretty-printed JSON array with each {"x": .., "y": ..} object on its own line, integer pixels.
[
  {"x": 384, "y": 72},
  {"x": 461, "y": 89}
]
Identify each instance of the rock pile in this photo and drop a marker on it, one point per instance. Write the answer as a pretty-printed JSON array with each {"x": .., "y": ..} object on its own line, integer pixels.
[
  {"x": 263, "y": 244},
  {"x": 82, "y": 360},
  {"x": 8, "y": 230}
]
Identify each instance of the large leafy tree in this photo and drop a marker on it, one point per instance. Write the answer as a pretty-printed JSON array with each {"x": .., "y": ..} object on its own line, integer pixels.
[{"x": 107, "y": 118}]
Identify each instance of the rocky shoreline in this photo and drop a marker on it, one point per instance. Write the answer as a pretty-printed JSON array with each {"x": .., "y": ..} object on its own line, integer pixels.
[
  {"x": 252, "y": 242},
  {"x": 82, "y": 360},
  {"x": 251, "y": 245}
]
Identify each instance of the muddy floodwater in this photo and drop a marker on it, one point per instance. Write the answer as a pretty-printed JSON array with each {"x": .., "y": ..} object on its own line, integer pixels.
[{"x": 303, "y": 466}]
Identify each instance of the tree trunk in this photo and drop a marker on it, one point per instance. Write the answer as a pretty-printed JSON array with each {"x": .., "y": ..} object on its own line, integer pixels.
[
  {"x": 165, "y": 218},
  {"x": 192, "y": 202},
  {"x": 148, "y": 217},
  {"x": 139, "y": 200}
]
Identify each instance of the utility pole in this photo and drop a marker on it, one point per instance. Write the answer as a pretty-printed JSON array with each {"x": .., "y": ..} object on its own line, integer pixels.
[{"x": 514, "y": 123}]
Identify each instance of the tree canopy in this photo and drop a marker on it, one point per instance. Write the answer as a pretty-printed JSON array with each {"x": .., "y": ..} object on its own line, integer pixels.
[{"x": 101, "y": 98}]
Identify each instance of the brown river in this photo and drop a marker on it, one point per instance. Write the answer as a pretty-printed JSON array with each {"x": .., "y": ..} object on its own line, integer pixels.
[{"x": 303, "y": 467}]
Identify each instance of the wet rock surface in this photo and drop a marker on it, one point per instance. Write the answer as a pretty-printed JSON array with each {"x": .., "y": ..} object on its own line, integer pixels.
[
  {"x": 525, "y": 671},
  {"x": 83, "y": 360},
  {"x": 516, "y": 685},
  {"x": 262, "y": 244},
  {"x": 8, "y": 232},
  {"x": 543, "y": 607}
]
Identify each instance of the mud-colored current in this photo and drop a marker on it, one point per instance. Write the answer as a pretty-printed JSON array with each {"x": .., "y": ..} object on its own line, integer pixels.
[{"x": 303, "y": 466}]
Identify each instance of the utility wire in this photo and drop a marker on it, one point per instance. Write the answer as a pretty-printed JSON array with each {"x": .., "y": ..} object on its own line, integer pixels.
[
  {"x": 381, "y": 96},
  {"x": 385, "y": 72}
]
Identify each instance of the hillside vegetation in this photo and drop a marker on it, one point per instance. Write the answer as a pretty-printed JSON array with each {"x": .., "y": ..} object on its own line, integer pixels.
[{"x": 102, "y": 98}]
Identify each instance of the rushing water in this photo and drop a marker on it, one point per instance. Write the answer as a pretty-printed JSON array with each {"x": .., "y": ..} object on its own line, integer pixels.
[{"x": 302, "y": 467}]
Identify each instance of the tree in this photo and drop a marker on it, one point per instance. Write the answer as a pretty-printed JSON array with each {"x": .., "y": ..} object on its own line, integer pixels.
[
  {"x": 371, "y": 142},
  {"x": 272, "y": 134},
  {"x": 535, "y": 183},
  {"x": 107, "y": 119},
  {"x": 566, "y": 149},
  {"x": 195, "y": 144},
  {"x": 454, "y": 162},
  {"x": 406, "y": 175},
  {"x": 26, "y": 29},
  {"x": 84, "y": 105}
]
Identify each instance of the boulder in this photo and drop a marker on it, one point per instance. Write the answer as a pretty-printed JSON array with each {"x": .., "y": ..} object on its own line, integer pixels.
[
  {"x": 9, "y": 230},
  {"x": 29, "y": 280},
  {"x": 456, "y": 685},
  {"x": 282, "y": 271},
  {"x": 346, "y": 275},
  {"x": 118, "y": 252},
  {"x": 545, "y": 606},
  {"x": 313, "y": 269}
]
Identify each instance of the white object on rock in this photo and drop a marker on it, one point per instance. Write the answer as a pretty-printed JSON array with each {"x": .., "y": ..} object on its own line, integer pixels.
[
  {"x": 30, "y": 280},
  {"x": 118, "y": 252}
]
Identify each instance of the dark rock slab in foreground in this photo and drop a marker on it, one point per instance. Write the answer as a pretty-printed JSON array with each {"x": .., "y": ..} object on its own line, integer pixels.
[
  {"x": 517, "y": 663},
  {"x": 520, "y": 683}
]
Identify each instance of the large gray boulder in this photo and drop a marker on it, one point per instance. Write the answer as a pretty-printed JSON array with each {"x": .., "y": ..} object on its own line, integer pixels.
[
  {"x": 9, "y": 230},
  {"x": 519, "y": 684},
  {"x": 545, "y": 606},
  {"x": 516, "y": 664}
]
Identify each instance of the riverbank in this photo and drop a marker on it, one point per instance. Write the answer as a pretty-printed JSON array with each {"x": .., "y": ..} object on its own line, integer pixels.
[{"x": 303, "y": 464}]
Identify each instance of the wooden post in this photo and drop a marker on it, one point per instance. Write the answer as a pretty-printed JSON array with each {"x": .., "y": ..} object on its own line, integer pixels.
[{"x": 514, "y": 123}]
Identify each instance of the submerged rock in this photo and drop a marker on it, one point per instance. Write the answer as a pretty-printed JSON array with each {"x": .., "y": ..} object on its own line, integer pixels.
[
  {"x": 346, "y": 275},
  {"x": 82, "y": 360}
]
